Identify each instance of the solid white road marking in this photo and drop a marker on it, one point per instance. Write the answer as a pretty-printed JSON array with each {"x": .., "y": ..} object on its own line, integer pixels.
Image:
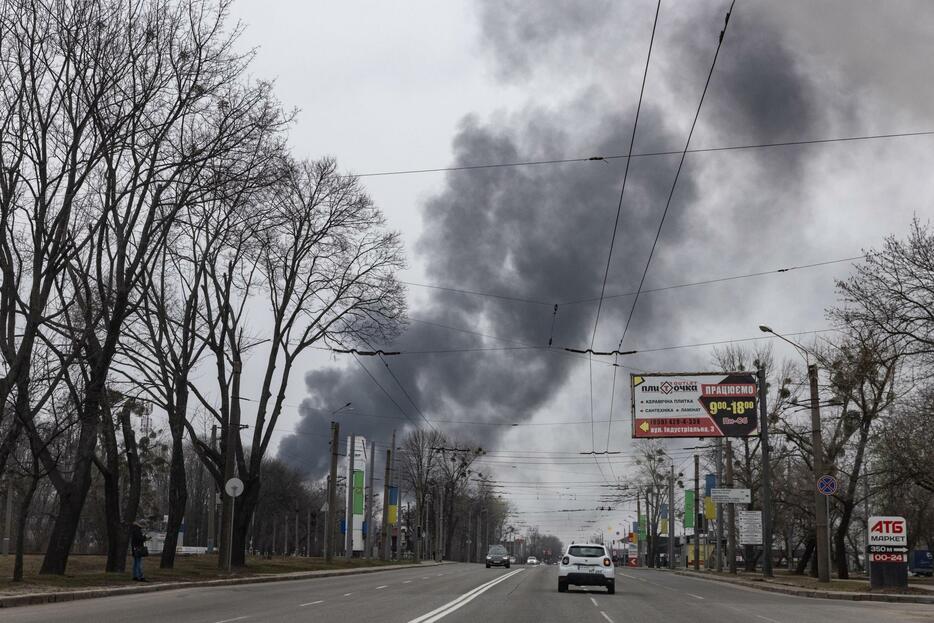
[
  {"x": 380, "y": 587},
  {"x": 407, "y": 581},
  {"x": 347, "y": 594},
  {"x": 311, "y": 603},
  {"x": 606, "y": 617},
  {"x": 455, "y": 604},
  {"x": 767, "y": 619},
  {"x": 695, "y": 596},
  {"x": 594, "y": 602},
  {"x": 231, "y": 620}
]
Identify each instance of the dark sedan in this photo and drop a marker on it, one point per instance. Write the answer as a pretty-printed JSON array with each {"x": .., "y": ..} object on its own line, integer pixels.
[{"x": 497, "y": 557}]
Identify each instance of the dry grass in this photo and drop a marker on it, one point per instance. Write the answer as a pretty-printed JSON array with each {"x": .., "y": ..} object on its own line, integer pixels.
[{"x": 86, "y": 571}]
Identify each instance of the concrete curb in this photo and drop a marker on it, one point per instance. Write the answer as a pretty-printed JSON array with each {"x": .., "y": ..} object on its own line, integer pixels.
[
  {"x": 30, "y": 599},
  {"x": 808, "y": 592}
]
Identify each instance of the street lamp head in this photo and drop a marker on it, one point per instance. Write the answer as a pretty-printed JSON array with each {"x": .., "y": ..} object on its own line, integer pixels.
[{"x": 765, "y": 328}]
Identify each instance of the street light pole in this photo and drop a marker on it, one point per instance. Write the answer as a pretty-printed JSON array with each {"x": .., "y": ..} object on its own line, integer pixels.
[
  {"x": 820, "y": 501},
  {"x": 821, "y": 539}
]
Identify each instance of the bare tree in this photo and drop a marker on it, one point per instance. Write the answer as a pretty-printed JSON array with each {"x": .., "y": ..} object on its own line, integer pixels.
[{"x": 320, "y": 259}]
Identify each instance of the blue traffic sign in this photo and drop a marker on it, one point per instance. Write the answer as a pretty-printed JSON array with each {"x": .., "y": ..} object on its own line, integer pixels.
[{"x": 827, "y": 485}]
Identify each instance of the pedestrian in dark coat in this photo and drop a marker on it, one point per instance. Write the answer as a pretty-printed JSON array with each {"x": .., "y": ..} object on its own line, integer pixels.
[{"x": 138, "y": 549}]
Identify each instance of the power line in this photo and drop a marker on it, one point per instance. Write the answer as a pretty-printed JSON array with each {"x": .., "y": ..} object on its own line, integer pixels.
[
  {"x": 622, "y": 190},
  {"x": 525, "y": 163},
  {"x": 674, "y": 183}
]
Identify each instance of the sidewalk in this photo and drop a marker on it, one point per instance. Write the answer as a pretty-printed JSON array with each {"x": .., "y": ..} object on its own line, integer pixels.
[
  {"x": 27, "y": 599},
  {"x": 775, "y": 585}
]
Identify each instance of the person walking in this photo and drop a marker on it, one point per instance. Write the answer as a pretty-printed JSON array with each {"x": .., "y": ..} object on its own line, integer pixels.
[{"x": 138, "y": 549}]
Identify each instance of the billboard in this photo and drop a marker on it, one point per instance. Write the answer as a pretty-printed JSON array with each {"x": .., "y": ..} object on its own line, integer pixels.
[
  {"x": 357, "y": 488},
  {"x": 693, "y": 404}
]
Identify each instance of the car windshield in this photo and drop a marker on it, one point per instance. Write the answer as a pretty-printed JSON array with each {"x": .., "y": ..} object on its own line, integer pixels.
[
  {"x": 582, "y": 551},
  {"x": 497, "y": 550}
]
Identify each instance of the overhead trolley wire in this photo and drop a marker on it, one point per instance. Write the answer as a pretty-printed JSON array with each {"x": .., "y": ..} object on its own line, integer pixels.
[
  {"x": 619, "y": 209},
  {"x": 650, "y": 154}
]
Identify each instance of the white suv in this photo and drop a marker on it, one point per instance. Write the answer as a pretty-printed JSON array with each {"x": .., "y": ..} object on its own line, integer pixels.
[{"x": 586, "y": 564}]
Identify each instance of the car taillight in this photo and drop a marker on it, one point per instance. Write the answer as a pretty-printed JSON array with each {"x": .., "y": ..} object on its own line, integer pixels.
[
  {"x": 607, "y": 562},
  {"x": 565, "y": 560}
]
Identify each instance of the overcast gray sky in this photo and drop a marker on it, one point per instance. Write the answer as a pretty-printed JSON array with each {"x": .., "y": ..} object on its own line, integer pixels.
[{"x": 396, "y": 86}]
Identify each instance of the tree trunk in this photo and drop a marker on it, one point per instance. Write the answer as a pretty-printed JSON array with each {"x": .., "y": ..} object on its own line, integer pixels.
[
  {"x": 21, "y": 524},
  {"x": 178, "y": 492},
  {"x": 243, "y": 512},
  {"x": 806, "y": 556},
  {"x": 839, "y": 540}
]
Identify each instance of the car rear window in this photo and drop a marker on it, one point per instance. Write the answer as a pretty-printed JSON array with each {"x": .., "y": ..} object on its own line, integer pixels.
[
  {"x": 586, "y": 552},
  {"x": 497, "y": 549}
]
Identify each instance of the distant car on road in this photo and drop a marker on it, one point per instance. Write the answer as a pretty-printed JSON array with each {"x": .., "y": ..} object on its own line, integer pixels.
[
  {"x": 497, "y": 557},
  {"x": 586, "y": 564},
  {"x": 531, "y": 560}
]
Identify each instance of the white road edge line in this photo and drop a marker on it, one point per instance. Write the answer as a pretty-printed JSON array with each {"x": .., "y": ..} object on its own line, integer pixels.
[
  {"x": 451, "y": 606},
  {"x": 381, "y": 587},
  {"x": 407, "y": 581},
  {"x": 311, "y": 603},
  {"x": 605, "y": 616},
  {"x": 695, "y": 596},
  {"x": 594, "y": 602},
  {"x": 230, "y": 620},
  {"x": 347, "y": 594},
  {"x": 767, "y": 619}
]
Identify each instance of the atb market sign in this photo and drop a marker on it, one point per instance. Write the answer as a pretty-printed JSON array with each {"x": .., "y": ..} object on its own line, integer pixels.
[
  {"x": 888, "y": 540},
  {"x": 694, "y": 404}
]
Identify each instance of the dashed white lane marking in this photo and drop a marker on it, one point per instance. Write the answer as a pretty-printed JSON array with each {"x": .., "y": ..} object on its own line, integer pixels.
[
  {"x": 231, "y": 620},
  {"x": 381, "y": 587},
  {"x": 425, "y": 577},
  {"x": 312, "y": 603},
  {"x": 347, "y": 594},
  {"x": 632, "y": 577},
  {"x": 695, "y": 596},
  {"x": 407, "y": 581},
  {"x": 594, "y": 602},
  {"x": 606, "y": 617},
  {"x": 767, "y": 619}
]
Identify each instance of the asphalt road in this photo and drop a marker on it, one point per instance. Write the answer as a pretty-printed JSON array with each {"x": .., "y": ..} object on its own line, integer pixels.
[{"x": 462, "y": 593}]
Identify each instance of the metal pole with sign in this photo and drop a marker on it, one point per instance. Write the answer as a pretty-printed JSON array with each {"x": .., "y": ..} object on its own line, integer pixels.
[{"x": 233, "y": 488}]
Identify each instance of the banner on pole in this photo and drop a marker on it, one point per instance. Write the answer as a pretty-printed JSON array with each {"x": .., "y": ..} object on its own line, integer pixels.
[{"x": 688, "y": 509}]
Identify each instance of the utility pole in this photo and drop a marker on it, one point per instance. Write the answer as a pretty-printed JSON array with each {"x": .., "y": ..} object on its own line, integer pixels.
[
  {"x": 696, "y": 518},
  {"x": 394, "y": 482},
  {"x": 308, "y": 532},
  {"x": 385, "y": 532},
  {"x": 329, "y": 544},
  {"x": 866, "y": 512},
  {"x": 212, "y": 499},
  {"x": 766, "y": 476},
  {"x": 820, "y": 501},
  {"x": 230, "y": 466},
  {"x": 671, "y": 518},
  {"x": 639, "y": 539},
  {"x": 348, "y": 521},
  {"x": 370, "y": 532},
  {"x": 719, "y": 548},
  {"x": 731, "y": 511},
  {"x": 468, "y": 535},
  {"x": 297, "y": 551}
]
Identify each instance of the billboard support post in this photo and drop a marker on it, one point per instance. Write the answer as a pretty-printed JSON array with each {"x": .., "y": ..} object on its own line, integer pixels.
[
  {"x": 766, "y": 476},
  {"x": 696, "y": 513}
]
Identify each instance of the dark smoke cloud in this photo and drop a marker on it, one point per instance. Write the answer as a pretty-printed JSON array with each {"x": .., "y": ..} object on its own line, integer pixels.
[{"x": 543, "y": 232}]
